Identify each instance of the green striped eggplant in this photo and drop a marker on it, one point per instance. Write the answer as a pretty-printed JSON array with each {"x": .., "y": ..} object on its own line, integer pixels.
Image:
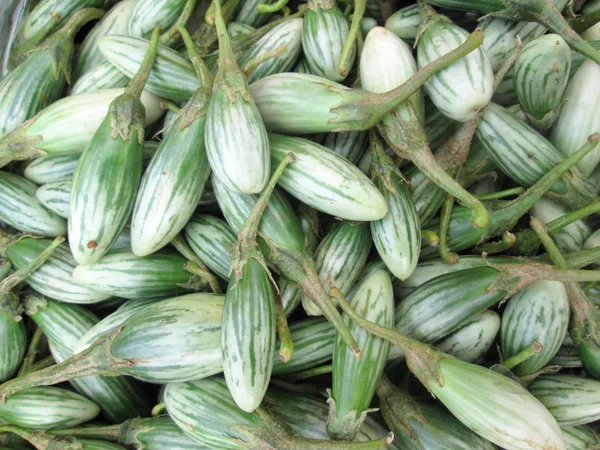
[
  {"x": 326, "y": 181},
  {"x": 438, "y": 127},
  {"x": 13, "y": 343},
  {"x": 405, "y": 23},
  {"x": 40, "y": 79},
  {"x": 324, "y": 33},
  {"x": 580, "y": 116},
  {"x": 500, "y": 35},
  {"x": 505, "y": 94},
  {"x": 314, "y": 339},
  {"x": 239, "y": 28},
  {"x": 123, "y": 274},
  {"x": 569, "y": 239},
  {"x": 462, "y": 89},
  {"x": 340, "y": 258},
  {"x": 288, "y": 35},
  {"x": 149, "y": 14},
  {"x": 172, "y": 76},
  {"x": 567, "y": 354},
  {"x": 309, "y": 222},
  {"x": 580, "y": 438},
  {"x": 118, "y": 397},
  {"x": 291, "y": 296},
  {"x": 370, "y": 267},
  {"x": 211, "y": 239},
  {"x": 526, "y": 156},
  {"x": 20, "y": 208},
  {"x": 354, "y": 381},
  {"x": 572, "y": 400},
  {"x": 68, "y": 125},
  {"x": 109, "y": 171},
  {"x": 474, "y": 339},
  {"x": 53, "y": 279},
  {"x": 236, "y": 139},
  {"x": 45, "y": 408},
  {"x": 249, "y": 14},
  {"x": 56, "y": 197},
  {"x": 173, "y": 182},
  {"x": 103, "y": 75},
  {"x": 51, "y": 169},
  {"x": 302, "y": 65},
  {"x": 540, "y": 77},
  {"x": 350, "y": 144},
  {"x": 539, "y": 313},
  {"x": 116, "y": 21}
]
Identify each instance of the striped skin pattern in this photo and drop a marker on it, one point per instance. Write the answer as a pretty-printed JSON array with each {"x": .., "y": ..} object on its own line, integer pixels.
[
  {"x": 496, "y": 407},
  {"x": 370, "y": 268},
  {"x": 540, "y": 312},
  {"x": 324, "y": 32},
  {"x": 463, "y": 88},
  {"x": 41, "y": 14},
  {"x": 177, "y": 339},
  {"x": 238, "y": 151},
  {"x": 567, "y": 355},
  {"x": 116, "y": 21},
  {"x": 354, "y": 381},
  {"x": 405, "y": 23},
  {"x": 302, "y": 65},
  {"x": 580, "y": 116},
  {"x": 171, "y": 187},
  {"x": 572, "y": 237},
  {"x": 54, "y": 278},
  {"x": 288, "y": 34},
  {"x": 326, "y": 181},
  {"x": 310, "y": 98},
  {"x": 51, "y": 169},
  {"x": 340, "y": 258},
  {"x": 44, "y": 408},
  {"x": 13, "y": 343},
  {"x": 161, "y": 432},
  {"x": 112, "y": 321},
  {"x": 27, "y": 89},
  {"x": 56, "y": 197},
  {"x": 204, "y": 409},
  {"x": 349, "y": 144},
  {"x": 104, "y": 188},
  {"x": 149, "y": 14},
  {"x": 20, "y": 208},
  {"x": 103, "y": 75},
  {"x": 172, "y": 76},
  {"x": 541, "y": 74},
  {"x": 248, "y": 335},
  {"x": 123, "y": 274},
  {"x": 238, "y": 28},
  {"x": 474, "y": 339},
  {"x": 291, "y": 296},
  {"x": 211, "y": 239},
  {"x": 120, "y": 398},
  {"x": 68, "y": 125},
  {"x": 279, "y": 221},
  {"x": 249, "y": 14},
  {"x": 572, "y": 400},
  {"x": 500, "y": 36},
  {"x": 580, "y": 438},
  {"x": 313, "y": 345},
  {"x": 483, "y": 6}
]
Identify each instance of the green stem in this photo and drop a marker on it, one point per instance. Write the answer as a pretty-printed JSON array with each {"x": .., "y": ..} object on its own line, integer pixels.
[
  {"x": 39, "y": 439},
  {"x": 581, "y": 24},
  {"x": 202, "y": 271},
  {"x": 41, "y": 364},
  {"x": 286, "y": 349},
  {"x": 158, "y": 409},
  {"x": 19, "y": 53},
  {"x": 432, "y": 238},
  {"x": 508, "y": 241},
  {"x": 33, "y": 351},
  {"x": 265, "y": 8},
  {"x": 168, "y": 38},
  {"x": 204, "y": 74},
  {"x": 501, "y": 194},
  {"x": 253, "y": 64},
  {"x": 79, "y": 19},
  {"x": 582, "y": 258},
  {"x": 166, "y": 104},
  {"x": 309, "y": 373},
  {"x": 508, "y": 64},
  {"x": 523, "y": 355},
  {"x": 225, "y": 52},
  {"x": 359, "y": 11},
  {"x": 557, "y": 258},
  {"x": 445, "y": 215},
  {"x": 137, "y": 83},
  {"x": 107, "y": 433}
]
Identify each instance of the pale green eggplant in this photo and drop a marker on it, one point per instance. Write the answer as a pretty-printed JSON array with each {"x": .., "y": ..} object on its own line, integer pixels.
[
  {"x": 56, "y": 197},
  {"x": 350, "y": 144},
  {"x": 103, "y": 75},
  {"x": 149, "y": 14},
  {"x": 567, "y": 354},
  {"x": 51, "y": 169},
  {"x": 13, "y": 343},
  {"x": 580, "y": 437},
  {"x": 405, "y": 23}
]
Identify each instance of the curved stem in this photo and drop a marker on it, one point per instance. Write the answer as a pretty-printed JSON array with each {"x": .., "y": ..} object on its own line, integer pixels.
[
  {"x": 137, "y": 83},
  {"x": 265, "y": 8},
  {"x": 286, "y": 349},
  {"x": 501, "y": 194},
  {"x": 557, "y": 258},
  {"x": 309, "y": 373},
  {"x": 19, "y": 53},
  {"x": 158, "y": 409},
  {"x": 359, "y": 11},
  {"x": 41, "y": 364},
  {"x": 79, "y": 19},
  {"x": 581, "y": 24},
  {"x": 225, "y": 51},
  {"x": 432, "y": 238},
  {"x": 204, "y": 74},
  {"x": 508, "y": 241},
  {"x": 253, "y": 64},
  {"x": 205, "y": 274},
  {"x": 446, "y": 213},
  {"x": 523, "y": 355},
  {"x": 33, "y": 350},
  {"x": 168, "y": 38}
]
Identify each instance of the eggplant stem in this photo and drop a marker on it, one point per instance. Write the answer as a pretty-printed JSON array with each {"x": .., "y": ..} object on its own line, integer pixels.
[
  {"x": 158, "y": 409},
  {"x": 309, "y": 373},
  {"x": 432, "y": 238},
  {"x": 169, "y": 37},
  {"x": 501, "y": 194},
  {"x": 445, "y": 215},
  {"x": 253, "y": 64},
  {"x": 523, "y": 355},
  {"x": 33, "y": 350},
  {"x": 286, "y": 349},
  {"x": 359, "y": 11},
  {"x": 265, "y": 8}
]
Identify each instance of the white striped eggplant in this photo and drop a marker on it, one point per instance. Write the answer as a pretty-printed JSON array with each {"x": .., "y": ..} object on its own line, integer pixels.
[
  {"x": 56, "y": 197},
  {"x": 236, "y": 28},
  {"x": 20, "y": 208},
  {"x": 326, "y": 181},
  {"x": 102, "y": 76},
  {"x": 40, "y": 79},
  {"x": 474, "y": 339},
  {"x": 250, "y": 15},
  {"x": 540, "y": 77},
  {"x": 109, "y": 170},
  {"x": 288, "y": 35},
  {"x": 118, "y": 397},
  {"x": 116, "y": 21},
  {"x": 340, "y": 258},
  {"x": 572, "y": 400},
  {"x": 578, "y": 59},
  {"x": 580, "y": 116},
  {"x": 53, "y": 279},
  {"x": 211, "y": 239},
  {"x": 67, "y": 126},
  {"x": 51, "y": 169},
  {"x": 465, "y": 87},
  {"x": 525, "y": 156},
  {"x": 13, "y": 342},
  {"x": 122, "y": 273},
  {"x": 567, "y": 354},
  {"x": 580, "y": 438},
  {"x": 173, "y": 182},
  {"x": 350, "y": 144},
  {"x": 149, "y": 14},
  {"x": 354, "y": 381},
  {"x": 172, "y": 76},
  {"x": 539, "y": 313},
  {"x": 324, "y": 33},
  {"x": 45, "y": 408},
  {"x": 405, "y": 23},
  {"x": 236, "y": 139}
]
